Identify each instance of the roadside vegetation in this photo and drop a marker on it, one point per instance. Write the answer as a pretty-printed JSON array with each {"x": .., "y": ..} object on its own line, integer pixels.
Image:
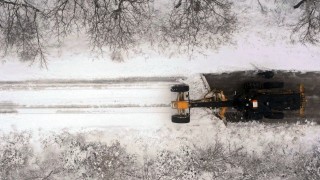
[
  {"x": 29, "y": 27},
  {"x": 74, "y": 156}
]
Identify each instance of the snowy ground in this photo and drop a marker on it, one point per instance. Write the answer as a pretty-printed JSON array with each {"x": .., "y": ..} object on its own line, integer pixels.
[
  {"x": 43, "y": 131},
  {"x": 57, "y": 106},
  {"x": 138, "y": 114}
]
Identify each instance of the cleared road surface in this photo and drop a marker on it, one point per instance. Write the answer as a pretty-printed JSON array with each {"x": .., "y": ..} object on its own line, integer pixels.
[{"x": 230, "y": 82}]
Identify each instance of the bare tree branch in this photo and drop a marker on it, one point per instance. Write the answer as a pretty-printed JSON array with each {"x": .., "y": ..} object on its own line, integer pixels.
[
  {"x": 16, "y": 3},
  {"x": 179, "y": 4},
  {"x": 47, "y": 176},
  {"x": 261, "y": 7},
  {"x": 299, "y": 4},
  {"x": 68, "y": 16},
  {"x": 117, "y": 24},
  {"x": 307, "y": 29},
  {"x": 199, "y": 23},
  {"x": 20, "y": 30}
]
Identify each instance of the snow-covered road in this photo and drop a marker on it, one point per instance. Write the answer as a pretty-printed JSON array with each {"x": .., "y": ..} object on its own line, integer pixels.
[
  {"x": 138, "y": 103},
  {"x": 79, "y": 104}
]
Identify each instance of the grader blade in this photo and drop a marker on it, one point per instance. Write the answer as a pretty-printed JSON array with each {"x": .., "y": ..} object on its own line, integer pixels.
[{"x": 303, "y": 101}]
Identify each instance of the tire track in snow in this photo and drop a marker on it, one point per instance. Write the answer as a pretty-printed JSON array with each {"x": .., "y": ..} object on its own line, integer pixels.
[
  {"x": 98, "y": 96},
  {"x": 55, "y": 106}
]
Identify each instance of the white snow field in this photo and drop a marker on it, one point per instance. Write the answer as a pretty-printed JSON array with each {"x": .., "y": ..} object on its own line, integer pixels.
[{"x": 137, "y": 114}]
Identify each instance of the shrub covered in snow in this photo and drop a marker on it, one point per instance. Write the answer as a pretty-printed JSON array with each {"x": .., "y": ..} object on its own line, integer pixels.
[{"x": 75, "y": 156}]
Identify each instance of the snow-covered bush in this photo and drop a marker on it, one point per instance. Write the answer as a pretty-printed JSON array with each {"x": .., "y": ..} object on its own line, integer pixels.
[
  {"x": 80, "y": 158},
  {"x": 74, "y": 156},
  {"x": 308, "y": 166},
  {"x": 170, "y": 165},
  {"x": 15, "y": 154}
]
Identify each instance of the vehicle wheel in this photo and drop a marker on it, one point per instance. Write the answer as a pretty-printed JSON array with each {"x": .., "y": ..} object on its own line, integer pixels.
[
  {"x": 180, "y": 88},
  {"x": 252, "y": 85},
  {"x": 180, "y": 118},
  {"x": 266, "y": 74},
  {"x": 273, "y": 85},
  {"x": 233, "y": 116},
  {"x": 253, "y": 116},
  {"x": 275, "y": 115}
]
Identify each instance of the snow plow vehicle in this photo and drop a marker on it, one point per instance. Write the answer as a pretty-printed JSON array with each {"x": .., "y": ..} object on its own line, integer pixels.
[{"x": 254, "y": 101}]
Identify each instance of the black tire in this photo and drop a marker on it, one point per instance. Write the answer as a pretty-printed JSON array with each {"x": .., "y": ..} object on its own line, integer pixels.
[
  {"x": 273, "y": 85},
  {"x": 252, "y": 85},
  {"x": 233, "y": 116},
  {"x": 253, "y": 116},
  {"x": 275, "y": 115},
  {"x": 180, "y": 118},
  {"x": 266, "y": 74},
  {"x": 180, "y": 88}
]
